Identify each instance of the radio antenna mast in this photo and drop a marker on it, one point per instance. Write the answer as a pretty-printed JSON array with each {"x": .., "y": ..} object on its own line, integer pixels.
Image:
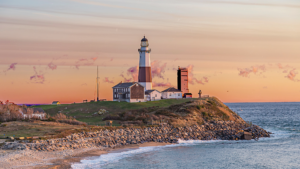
[{"x": 97, "y": 85}]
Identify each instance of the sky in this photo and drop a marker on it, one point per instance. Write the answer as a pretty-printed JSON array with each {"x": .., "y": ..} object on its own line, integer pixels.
[{"x": 237, "y": 50}]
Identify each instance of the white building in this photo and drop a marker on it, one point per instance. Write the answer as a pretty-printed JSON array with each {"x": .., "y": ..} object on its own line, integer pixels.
[
  {"x": 145, "y": 77},
  {"x": 29, "y": 113},
  {"x": 152, "y": 95},
  {"x": 171, "y": 93},
  {"x": 129, "y": 92}
]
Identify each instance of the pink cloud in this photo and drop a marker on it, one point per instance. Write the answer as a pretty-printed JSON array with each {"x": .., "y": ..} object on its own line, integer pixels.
[
  {"x": 133, "y": 71},
  {"x": 52, "y": 66},
  {"x": 125, "y": 79},
  {"x": 11, "y": 67},
  {"x": 161, "y": 84},
  {"x": 85, "y": 62},
  {"x": 192, "y": 79},
  {"x": 157, "y": 70},
  {"x": 280, "y": 66},
  {"x": 253, "y": 69},
  {"x": 290, "y": 70},
  {"x": 38, "y": 77},
  {"x": 292, "y": 74},
  {"x": 111, "y": 59},
  {"x": 106, "y": 80},
  {"x": 205, "y": 79}
]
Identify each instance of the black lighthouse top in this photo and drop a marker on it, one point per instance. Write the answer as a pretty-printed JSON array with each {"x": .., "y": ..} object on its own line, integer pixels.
[{"x": 144, "y": 39}]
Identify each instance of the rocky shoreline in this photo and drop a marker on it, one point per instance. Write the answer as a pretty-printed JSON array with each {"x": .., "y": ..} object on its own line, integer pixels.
[{"x": 215, "y": 130}]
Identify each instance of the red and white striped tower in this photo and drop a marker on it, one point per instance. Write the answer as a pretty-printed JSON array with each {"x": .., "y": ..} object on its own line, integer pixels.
[{"x": 145, "y": 77}]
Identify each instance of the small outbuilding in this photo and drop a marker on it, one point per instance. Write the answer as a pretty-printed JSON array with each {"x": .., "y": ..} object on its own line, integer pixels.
[
  {"x": 55, "y": 103},
  {"x": 171, "y": 93},
  {"x": 187, "y": 95},
  {"x": 152, "y": 95}
]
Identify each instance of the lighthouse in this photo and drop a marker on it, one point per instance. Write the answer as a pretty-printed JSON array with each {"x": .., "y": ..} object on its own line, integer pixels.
[{"x": 145, "y": 77}]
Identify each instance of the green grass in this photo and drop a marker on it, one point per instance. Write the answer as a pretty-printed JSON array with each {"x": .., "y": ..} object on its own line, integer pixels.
[
  {"x": 85, "y": 111},
  {"x": 48, "y": 106}
]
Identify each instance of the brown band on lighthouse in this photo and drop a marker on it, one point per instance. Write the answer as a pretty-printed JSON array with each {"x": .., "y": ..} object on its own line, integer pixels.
[{"x": 145, "y": 74}]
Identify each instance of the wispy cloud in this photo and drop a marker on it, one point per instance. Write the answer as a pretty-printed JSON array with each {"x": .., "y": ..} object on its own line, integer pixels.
[
  {"x": 292, "y": 74},
  {"x": 11, "y": 67},
  {"x": 52, "y": 66},
  {"x": 106, "y": 80},
  {"x": 161, "y": 84},
  {"x": 157, "y": 70},
  {"x": 85, "y": 62},
  {"x": 38, "y": 77},
  {"x": 125, "y": 79},
  {"x": 133, "y": 71},
  {"x": 245, "y": 72},
  {"x": 192, "y": 79}
]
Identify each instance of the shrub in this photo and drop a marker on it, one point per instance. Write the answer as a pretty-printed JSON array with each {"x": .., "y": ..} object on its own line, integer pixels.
[
  {"x": 111, "y": 117},
  {"x": 166, "y": 113},
  {"x": 129, "y": 117},
  {"x": 51, "y": 119},
  {"x": 200, "y": 106},
  {"x": 204, "y": 114},
  {"x": 225, "y": 117},
  {"x": 211, "y": 102},
  {"x": 60, "y": 116},
  {"x": 72, "y": 122},
  {"x": 248, "y": 123}
]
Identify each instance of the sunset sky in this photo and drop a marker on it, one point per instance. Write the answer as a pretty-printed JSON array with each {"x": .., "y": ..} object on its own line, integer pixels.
[{"x": 237, "y": 50}]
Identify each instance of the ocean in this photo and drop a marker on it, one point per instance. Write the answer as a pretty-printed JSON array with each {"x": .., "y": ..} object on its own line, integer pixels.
[{"x": 281, "y": 150}]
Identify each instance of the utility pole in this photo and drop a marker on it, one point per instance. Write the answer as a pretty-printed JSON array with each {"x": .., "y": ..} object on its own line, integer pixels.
[{"x": 97, "y": 86}]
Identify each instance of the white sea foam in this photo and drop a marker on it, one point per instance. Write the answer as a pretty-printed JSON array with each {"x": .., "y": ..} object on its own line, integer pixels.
[
  {"x": 115, "y": 157},
  {"x": 112, "y": 157}
]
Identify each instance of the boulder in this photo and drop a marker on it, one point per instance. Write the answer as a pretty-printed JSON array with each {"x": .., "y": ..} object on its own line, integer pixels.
[{"x": 247, "y": 136}]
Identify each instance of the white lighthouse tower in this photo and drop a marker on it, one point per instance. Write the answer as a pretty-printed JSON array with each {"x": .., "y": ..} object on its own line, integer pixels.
[{"x": 145, "y": 77}]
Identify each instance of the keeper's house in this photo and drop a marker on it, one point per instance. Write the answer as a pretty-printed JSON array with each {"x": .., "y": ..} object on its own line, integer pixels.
[
  {"x": 171, "y": 93},
  {"x": 129, "y": 92}
]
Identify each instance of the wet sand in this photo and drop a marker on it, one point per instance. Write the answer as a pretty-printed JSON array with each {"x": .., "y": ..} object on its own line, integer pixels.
[{"x": 59, "y": 159}]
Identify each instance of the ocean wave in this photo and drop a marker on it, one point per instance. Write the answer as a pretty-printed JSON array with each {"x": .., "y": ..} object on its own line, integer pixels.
[
  {"x": 112, "y": 157},
  {"x": 115, "y": 157}
]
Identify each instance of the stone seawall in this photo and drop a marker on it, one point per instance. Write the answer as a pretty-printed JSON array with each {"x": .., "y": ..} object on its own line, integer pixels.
[{"x": 221, "y": 130}]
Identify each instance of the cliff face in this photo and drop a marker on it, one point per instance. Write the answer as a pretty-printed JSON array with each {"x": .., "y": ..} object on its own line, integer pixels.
[
  {"x": 201, "y": 112},
  {"x": 195, "y": 112}
]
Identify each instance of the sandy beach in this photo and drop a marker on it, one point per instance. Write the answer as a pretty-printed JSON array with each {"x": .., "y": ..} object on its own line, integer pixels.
[{"x": 58, "y": 159}]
